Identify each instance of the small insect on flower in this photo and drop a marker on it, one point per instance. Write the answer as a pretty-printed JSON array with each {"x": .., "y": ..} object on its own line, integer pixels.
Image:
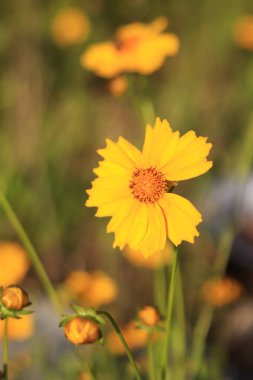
[{"x": 134, "y": 187}]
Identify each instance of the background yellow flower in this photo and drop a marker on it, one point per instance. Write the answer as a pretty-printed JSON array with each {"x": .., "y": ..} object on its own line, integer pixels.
[
  {"x": 219, "y": 292},
  {"x": 19, "y": 329},
  {"x": 14, "y": 264},
  {"x": 91, "y": 289},
  {"x": 243, "y": 32},
  {"x": 70, "y": 26},
  {"x": 139, "y": 47}
]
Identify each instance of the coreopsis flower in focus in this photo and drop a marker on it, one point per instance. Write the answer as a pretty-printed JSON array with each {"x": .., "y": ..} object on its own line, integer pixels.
[
  {"x": 220, "y": 292},
  {"x": 243, "y": 32},
  {"x": 14, "y": 298},
  {"x": 18, "y": 329},
  {"x": 149, "y": 315},
  {"x": 118, "y": 86},
  {"x": 14, "y": 263},
  {"x": 70, "y": 26},
  {"x": 80, "y": 330},
  {"x": 91, "y": 289},
  {"x": 135, "y": 338},
  {"x": 134, "y": 188},
  {"x": 156, "y": 261},
  {"x": 138, "y": 47}
]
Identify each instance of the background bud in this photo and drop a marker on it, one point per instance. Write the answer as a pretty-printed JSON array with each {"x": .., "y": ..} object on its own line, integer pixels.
[{"x": 149, "y": 315}]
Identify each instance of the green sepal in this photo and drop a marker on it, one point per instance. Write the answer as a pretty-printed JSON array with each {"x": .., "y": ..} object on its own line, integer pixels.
[{"x": 11, "y": 313}]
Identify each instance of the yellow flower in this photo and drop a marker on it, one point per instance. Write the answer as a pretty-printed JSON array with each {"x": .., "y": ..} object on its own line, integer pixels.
[
  {"x": 135, "y": 338},
  {"x": 219, "y": 292},
  {"x": 138, "y": 48},
  {"x": 18, "y": 329},
  {"x": 243, "y": 32},
  {"x": 133, "y": 188},
  {"x": 15, "y": 298},
  {"x": 156, "y": 261},
  {"x": 80, "y": 330},
  {"x": 84, "y": 376},
  {"x": 91, "y": 289},
  {"x": 118, "y": 86},
  {"x": 70, "y": 26},
  {"x": 149, "y": 315},
  {"x": 14, "y": 264}
]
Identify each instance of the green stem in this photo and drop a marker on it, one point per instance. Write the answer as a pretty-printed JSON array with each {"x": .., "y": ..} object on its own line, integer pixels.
[
  {"x": 151, "y": 360},
  {"x": 160, "y": 280},
  {"x": 170, "y": 303},
  {"x": 30, "y": 251},
  {"x": 123, "y": 341},
  {"x": 199, "y": 338},
  {"x": 5, "y": 349}
]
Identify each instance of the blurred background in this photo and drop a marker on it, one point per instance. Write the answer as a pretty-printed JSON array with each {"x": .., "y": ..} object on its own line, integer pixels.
[{"x": 55, "y": 115}]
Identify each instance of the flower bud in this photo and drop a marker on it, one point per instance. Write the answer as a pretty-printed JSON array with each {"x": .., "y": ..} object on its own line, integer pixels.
[
  {"x": 14, "y": 297},
  {"x": 149, "y": 315},
  {"x": 80, "y": 330}
]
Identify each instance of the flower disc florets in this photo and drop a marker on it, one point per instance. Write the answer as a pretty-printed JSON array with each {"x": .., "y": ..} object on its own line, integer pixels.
[{"x": 148, "y": 185}]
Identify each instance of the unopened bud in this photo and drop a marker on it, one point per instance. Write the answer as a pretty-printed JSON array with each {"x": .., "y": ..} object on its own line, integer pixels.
[
  {"x": 81, "y": 330},
  {"x": 14, "y": 298},
  {"x": 149, "y": 315}
]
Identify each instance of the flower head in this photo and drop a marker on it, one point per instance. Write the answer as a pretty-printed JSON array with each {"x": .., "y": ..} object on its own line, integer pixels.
[
  {"x": 14, "y": 264},
  {"x": 220, "y": 292},
  {"x": 134, "y": 188},
  {"x": 149, "y": 315},
  {"x": 14, "y": 298},
  {"x": 92, "y": 289},
  {"x": 118, "y": 86},
  {"x": 81, "y": 330},
  {"x": 70, "y": 26},
  {"x": 138, "y": 47},
  {"x": 243, "y": 32},
  {"x": 135, "y": 338},
  {"x": 18, "y": 329}
]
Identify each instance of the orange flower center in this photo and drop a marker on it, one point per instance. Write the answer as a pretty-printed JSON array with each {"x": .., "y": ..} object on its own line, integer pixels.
[
  {"x": 127, "y": 44},
  {"x": 148, "y": 185}
]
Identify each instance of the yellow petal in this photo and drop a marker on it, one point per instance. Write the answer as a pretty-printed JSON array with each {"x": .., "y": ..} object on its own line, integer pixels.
[
  {"x": 108, "y": 189},
  {"x": 160, "y": 144},
  {"x": 114, "y": 153},
  {"x": 182, "y": 218},
  {"x": 189, "y": 158},
  {"x": 129, "y": 225},
  {"x": 107, "y": 168},
  {"x": 155, "y": 237},
  {"x": 130, "y": 150}
]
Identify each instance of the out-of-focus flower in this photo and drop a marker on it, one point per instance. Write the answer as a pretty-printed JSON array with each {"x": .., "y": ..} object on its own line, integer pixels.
[
  {"x": 243, "y": 32},
  {"x": 134, "y": 188},
  {"x": 14, "y": 264},
  {"x": 138, "y": 47},
  {"x": 220, "y": 292},
  {"x": 149, "y": 315},
  {"x": 135, "y": 338},
  {"x": 118, "y": 86},
  {"x": 70, "y": 26},
  {"x": 15, "y": 298},
  {"x": 18, "y": 329},
  {"x": 91, "y": 289},
  {"x": 159, "y": 259},
  {"x": 84, "y": 376},
  {"x": 80, "y": 330}
]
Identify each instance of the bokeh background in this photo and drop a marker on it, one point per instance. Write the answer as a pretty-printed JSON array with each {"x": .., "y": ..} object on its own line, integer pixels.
[{"x": 54, "y": 115}]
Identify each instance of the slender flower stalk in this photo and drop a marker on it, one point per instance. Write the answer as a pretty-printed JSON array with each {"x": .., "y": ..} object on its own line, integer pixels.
[
  {"x": 151, "y": 362},
  {"x": 123, "y": 341},
  {"x": 5, "y": 350},
  {"x": 14, "y": 221},
  {"x": 170, "y": 302}
]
